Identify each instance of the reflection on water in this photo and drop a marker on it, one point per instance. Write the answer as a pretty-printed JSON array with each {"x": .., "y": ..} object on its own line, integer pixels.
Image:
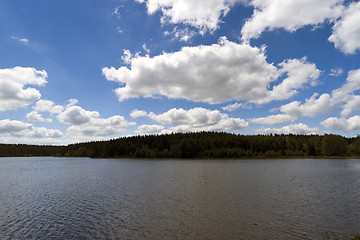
[{"x": 67, "y": 198}]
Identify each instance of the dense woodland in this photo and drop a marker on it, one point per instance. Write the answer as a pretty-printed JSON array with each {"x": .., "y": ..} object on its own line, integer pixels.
[{"x": 198, "y": 145}]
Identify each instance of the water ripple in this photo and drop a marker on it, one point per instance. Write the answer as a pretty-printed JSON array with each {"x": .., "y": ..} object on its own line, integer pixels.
[{"x": 46, "y": 198}]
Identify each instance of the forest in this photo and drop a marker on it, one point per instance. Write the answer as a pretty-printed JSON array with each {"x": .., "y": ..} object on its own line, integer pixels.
[{"x": 198, "y": 145}]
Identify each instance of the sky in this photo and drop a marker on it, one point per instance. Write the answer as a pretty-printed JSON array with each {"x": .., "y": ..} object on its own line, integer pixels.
[{"x": 74, "y": 71}]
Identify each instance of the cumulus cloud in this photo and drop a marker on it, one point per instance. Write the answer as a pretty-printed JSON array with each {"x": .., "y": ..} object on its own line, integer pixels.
[
  {"x": 343, "y": 97},
  {"x": 13, "y": 91},
  {"x": 299, "y": 128},
  {"x": 14, "y": 128},
  {"x": 346, "y": 31},
  {"x": 75, "y": 115},
  {"x": 138, "y": 113},
  {"x": 150, "y": 129},
  {"x": 36, "y": 117},
  {"x": 351, "y": 85},
  {"x": 41, "y": 132},
  {"x": 345, "y": 94},
  {"x": 289, "y": 15},
  {"x": 88, "y": 123},
  {"x": 290, "y": 112},
  {"x": 204, "y": 15},
  {"x": 43, "y": 106},
  {"x": 313, "y": 106},
  {"x": 214, "y": 74},
  {"x": 343, "y": 124},
  {"x": 198, "y": 119},
  {"x": 48, "y": 106},
  {"x": 351, "y": 106},
  {"x": 100, "y": 127},
  {"x": 274, "y": 119},
  {"x": 299, "y": 73},
  {"x": 194, "y": 117}
]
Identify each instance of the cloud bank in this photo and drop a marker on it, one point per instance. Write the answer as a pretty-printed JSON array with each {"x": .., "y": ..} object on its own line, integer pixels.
[
  {"x": 192, "y": 120},
  {"x": 300, "y": 128}
]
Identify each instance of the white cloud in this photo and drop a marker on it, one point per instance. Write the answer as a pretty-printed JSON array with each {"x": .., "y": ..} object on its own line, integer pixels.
[
  {"x": 48, "y": 106},
  {"x": 72, "y": 102},
  {"x": 21, "y": 40},
  {"x": 13, "y": 93},
  {"x": 289, "y": 15},
  {"x": 274, "y": 119},
  {"x": 87, "y": 123},
  {"x": 116, "y": 11},
  {"x": 182, "y": 34},
  {"x": 41, "y": 132},
  {"x": 202, "y": 14},
  {"x": 33, "y": 140},
  {"x": 149, "y": 129},
  {"x": 346, "y": 31},
  {"x": 335, "y": 72},
  {"x": 233, "y": 107},
  {"x": 299, "y": 128},
  {"x": 213, "y": 74},
  {"x": 345, "y": 94},
  {"x": 127, "y": 57},
  {"x": 299, "y": 73},
  {"x": 119, "y": 30},
  {"x": 343, "y": 124},
  {"x": 145, "y": 48},
  {"x": 351, "y": 106},
  {"x": 75, "y": 115},
  {"x": 293, "y": 110},
  {"x": 138, "y": 113},
  {"x": 14, "y": 128},
  {"x": 198, "y": 119},
  {"x": 351, "y": 85},
  {"x": 195, "y": 117},
  {"x": 36, "y": 117},
  {"x": 341, "y": 97},
  {"x": 100, "y": 127},
  {"x": 312, "y": 106}
]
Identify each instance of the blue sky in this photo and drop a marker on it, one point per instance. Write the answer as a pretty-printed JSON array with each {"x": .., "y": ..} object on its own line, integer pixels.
[{"x": 73, "y": 71}]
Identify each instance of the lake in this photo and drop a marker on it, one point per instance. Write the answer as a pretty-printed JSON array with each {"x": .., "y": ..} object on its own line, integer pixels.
[{"x": 81, "y": 198}]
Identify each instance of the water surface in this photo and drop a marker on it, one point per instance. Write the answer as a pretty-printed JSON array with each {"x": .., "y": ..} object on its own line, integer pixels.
[{"x": 68, "y": 198}]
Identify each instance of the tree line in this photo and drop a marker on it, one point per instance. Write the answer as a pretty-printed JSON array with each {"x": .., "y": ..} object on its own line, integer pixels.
[{"x": 198, "y": 145}]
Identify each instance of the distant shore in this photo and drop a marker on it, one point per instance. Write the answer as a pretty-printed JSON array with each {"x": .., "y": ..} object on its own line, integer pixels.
[{"x": 202, "y": 145}]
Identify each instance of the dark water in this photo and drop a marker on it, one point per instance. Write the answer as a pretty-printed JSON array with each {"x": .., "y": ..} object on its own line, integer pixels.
[{"x": 76, "y": 198}]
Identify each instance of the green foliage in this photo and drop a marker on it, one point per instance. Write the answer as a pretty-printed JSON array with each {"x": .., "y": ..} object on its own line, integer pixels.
[
  {"x": 354, "y": 148},
  {"x": 334, "y": 145},
  {"x": 198, "y": 145}
]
